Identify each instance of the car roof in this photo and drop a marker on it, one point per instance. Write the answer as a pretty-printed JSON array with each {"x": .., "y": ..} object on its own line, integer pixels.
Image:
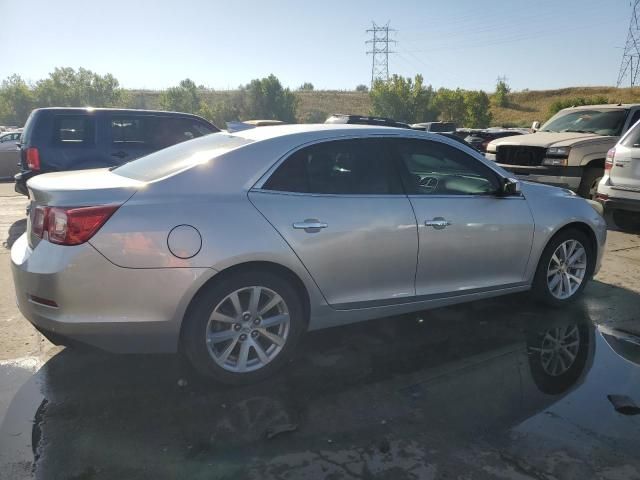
[
  {"x": 323, "y": 130},
  {"x": 119, "y": 110}
]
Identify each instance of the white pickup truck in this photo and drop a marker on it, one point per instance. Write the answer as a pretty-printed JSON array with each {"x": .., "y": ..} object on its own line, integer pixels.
[{"x": 569, "y": 150}]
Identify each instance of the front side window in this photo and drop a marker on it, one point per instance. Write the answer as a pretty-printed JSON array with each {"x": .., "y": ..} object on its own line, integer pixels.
[
  {"x": 342, "y": 167},
  {"x": 127, "y": 130},
  {"x": 74, "y": 129},
  {"x": 434, "y": 168}
]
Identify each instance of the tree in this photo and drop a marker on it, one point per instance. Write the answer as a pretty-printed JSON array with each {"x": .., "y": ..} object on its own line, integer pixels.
[
  {"x": 403, "y": 99},
  {"x": 16, "y": 100},
  {"x": 306, "y": 87},
  {"x": 266, "y": 99},
  {"x": 501, "y": 97},
  {"x": 362, "y": 88},
  {"x": 183, "y": 98},
  {"x": 451, "y": 105},
  {"x": 66, "y": 87},
  {"x": 477, "y": 109}
]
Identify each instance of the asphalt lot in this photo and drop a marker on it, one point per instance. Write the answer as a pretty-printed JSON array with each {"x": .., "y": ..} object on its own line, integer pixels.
[{"x": 451, "y": 393}]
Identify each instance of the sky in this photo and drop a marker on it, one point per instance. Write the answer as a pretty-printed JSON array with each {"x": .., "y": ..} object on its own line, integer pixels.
[{"x": 536, "y": 44}]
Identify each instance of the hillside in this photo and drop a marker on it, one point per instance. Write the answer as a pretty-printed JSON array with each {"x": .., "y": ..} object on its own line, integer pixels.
[{"x": 525, "y": 106}]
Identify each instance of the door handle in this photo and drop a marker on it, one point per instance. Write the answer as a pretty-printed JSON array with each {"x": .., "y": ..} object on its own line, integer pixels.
[
  {"x": 438, "y": 223},
  {"x": 310, "y": 225},
  {"x": 120, "y": 154}
]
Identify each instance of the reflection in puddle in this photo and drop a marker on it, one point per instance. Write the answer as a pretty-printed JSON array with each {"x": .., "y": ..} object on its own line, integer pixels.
[{"x": 466, "y": 379}]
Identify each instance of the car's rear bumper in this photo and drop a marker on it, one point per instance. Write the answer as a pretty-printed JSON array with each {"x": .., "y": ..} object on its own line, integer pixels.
[
  {"x": 611, "y": 204},
  {"x": 117, "y": 309}
]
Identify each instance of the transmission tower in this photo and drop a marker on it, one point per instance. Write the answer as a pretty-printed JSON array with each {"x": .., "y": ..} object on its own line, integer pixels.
[
  {"x": 631, "y": 55},
  {"x": 380, "y": 51}
]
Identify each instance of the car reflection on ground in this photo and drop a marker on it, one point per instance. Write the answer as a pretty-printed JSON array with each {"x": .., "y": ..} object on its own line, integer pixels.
[{"x": 451, "y": 378}]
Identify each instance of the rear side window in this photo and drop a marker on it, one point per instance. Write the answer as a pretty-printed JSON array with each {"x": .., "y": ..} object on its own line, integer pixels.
[
  {"x": 74, "y": 130},
  {"x": 343, "y": 167},
  {"x": 156, "y": 132},
  {"x": 632, "y": 138}
]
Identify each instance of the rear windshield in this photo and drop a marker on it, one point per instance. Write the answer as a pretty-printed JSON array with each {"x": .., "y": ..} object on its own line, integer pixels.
[{"x": 180, "y": 157}]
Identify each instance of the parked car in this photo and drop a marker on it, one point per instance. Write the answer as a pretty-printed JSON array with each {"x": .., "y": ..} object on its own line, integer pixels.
[
  {"x": 619, "y": 189},
  {"x": 61, "y": 139},
  {"x": 435, "y": 127},
  {"x": 570, "y": 149},
  {"x": 341, "y": 118},
  {"x": 9, "y": 154},
  {"x": 231, "y": 246},
  {"x": 479, "y": 139}
]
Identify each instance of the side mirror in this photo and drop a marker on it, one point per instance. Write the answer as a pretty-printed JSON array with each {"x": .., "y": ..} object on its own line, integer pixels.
[
  {"x": 510, "y": 187},
  {"x": 535, "y": 126}
]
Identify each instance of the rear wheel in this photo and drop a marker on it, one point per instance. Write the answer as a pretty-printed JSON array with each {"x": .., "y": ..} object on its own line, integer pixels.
[
  {"x": 244, "y": 328},
  {"x": 564, "y": 268}
]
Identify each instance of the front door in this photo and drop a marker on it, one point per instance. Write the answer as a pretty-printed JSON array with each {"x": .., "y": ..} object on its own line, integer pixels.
[
  {"x": 470, "y": 239},
  {"x": 340, "y": 206}
]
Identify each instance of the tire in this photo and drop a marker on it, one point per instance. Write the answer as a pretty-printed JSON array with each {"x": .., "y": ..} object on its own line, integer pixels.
[
  {"x": 204, "y": 339},
  {"x": 589, "y": 182},
  {"x": 542, "y": 287}
]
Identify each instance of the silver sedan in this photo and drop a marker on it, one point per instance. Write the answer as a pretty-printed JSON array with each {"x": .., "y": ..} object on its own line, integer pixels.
[{"x": 229, "y": 247}]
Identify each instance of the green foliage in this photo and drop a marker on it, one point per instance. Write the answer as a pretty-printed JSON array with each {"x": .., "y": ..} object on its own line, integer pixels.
[
  {"x": 451, "y": 105},
  {"x": 306, "y": 87},
  {"x": 403, "y": 99},
  {"x": 66, "y": 87},
  {"x": 558, "y": 105},
  {"x": 477, "y": 109},
  {"x": 183, "y": 98},
  {"x": 16, "y": 101},
  {"x": 501, "y": 97},
  {"x": 362, "y": 88},
  {"x": 226, "y": 110},
  {"x": 265, "y": 99}
]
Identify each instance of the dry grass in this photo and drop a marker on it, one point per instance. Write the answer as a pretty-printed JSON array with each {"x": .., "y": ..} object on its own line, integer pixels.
[
  {"x": 525, "y": 106},
  {"x": 528, "y": 106}
]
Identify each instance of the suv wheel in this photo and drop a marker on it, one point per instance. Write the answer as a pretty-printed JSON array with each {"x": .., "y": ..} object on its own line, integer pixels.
[
  {"x": 564, "y": 268},
  {"x": 245, "y": 328}
]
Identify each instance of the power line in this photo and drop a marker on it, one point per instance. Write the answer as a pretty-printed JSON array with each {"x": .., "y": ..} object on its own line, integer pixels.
[
  {"x": 631, "y": 50},
  {"x": 380, "y": 51}
]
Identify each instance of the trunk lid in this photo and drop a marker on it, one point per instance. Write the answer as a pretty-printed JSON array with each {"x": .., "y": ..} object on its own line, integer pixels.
[{"x": 78, "y": 188}]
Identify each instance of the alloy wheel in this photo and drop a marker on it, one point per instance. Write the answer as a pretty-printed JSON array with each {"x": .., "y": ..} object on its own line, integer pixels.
[
  {"x": 248, "y": 329},
  {"x": 559, "y": 349},
  {"x": 567, "y": 269}
]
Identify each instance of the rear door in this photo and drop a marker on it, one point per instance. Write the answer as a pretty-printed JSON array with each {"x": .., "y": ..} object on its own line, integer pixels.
[
  {"x": 340, "y": 206},
  {"x": 470, "y": 239},
  {"x": 72, "y": 142},
  {"x": 625, "y": 171}
]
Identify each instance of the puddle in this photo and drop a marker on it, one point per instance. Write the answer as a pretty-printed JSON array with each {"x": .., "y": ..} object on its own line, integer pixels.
[{"x": 469, "y": 389}]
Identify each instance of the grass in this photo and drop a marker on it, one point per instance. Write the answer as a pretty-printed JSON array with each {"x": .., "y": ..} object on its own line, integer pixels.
[{"x": 524, "y": 107}]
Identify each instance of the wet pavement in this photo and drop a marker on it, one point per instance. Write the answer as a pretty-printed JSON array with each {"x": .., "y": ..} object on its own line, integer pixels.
[{"x": 502, "y": 388}]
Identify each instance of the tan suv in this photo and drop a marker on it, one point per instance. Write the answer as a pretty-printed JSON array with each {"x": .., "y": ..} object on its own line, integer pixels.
[{"x": 569, "y": 150}]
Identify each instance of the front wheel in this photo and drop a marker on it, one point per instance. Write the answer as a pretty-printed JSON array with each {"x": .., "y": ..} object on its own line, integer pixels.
[
  {"x": 564, "y": 268},
  {"x": 244, "y": 328}
]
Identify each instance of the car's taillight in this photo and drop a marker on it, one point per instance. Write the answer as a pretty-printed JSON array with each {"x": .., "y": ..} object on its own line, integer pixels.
[
  {"x": 33, "y": 158},
  {"x": 608, "y": 163},
  {"x": 69, "y": 226}
]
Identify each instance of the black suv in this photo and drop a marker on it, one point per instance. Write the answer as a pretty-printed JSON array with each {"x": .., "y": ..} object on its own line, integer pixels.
[{"x": 59, "y": 139}]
